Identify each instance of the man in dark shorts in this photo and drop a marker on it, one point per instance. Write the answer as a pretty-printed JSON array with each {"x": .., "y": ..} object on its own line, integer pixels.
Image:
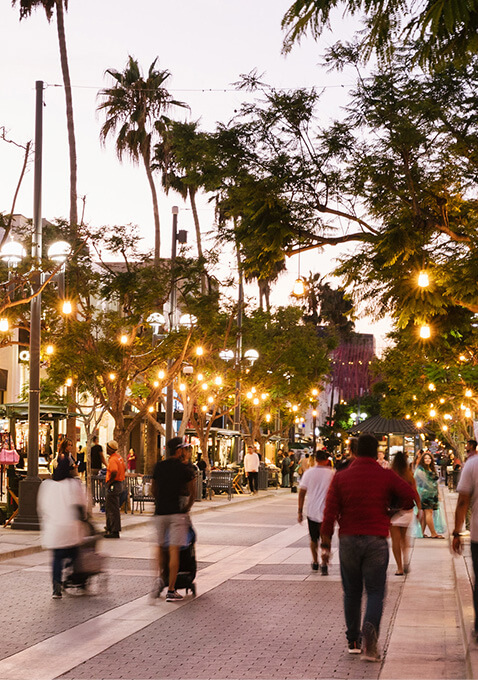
[
  {"x": 315, "y": 483},
  {"x": 171, "y": 479}
]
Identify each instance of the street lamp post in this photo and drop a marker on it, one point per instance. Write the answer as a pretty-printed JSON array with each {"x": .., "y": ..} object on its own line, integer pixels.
[
  {"x": 27, "y": 517},
  {"x": 177, "y": 236}
]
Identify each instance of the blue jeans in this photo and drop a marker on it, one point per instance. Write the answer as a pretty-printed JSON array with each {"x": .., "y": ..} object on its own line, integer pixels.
[
  {"x": 59, "y": 555},
  {"x": 363, "y": 561}
]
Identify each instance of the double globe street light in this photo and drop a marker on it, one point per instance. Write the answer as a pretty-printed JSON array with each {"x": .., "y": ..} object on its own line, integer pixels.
[{"x": 12, "y": 253}]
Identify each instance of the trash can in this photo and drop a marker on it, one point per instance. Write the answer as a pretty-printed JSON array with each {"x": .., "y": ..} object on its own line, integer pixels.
[
  {"x": 263, "y": 478},
  {"x": 199, "y": 484}
]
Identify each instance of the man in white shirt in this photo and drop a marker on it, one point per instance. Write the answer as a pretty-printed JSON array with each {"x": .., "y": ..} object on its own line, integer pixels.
[
  {"x": 315, "y": 483},
  {"x": 251, "y": 468},
  {"x": 468, "y": 497}
]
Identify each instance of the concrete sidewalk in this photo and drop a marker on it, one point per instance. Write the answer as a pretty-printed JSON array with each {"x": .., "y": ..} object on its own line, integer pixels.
[
  {"x": 15, "y": 543},
  {"x": 259, "y": 611}
]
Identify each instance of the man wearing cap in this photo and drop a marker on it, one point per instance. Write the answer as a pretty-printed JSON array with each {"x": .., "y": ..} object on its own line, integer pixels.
[
  {"x": 115, "y": 474},
  {"x": 171, "y": 479}
]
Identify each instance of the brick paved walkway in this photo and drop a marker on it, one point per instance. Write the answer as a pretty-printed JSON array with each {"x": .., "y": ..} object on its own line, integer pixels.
[{"x": 260, "y": 612}]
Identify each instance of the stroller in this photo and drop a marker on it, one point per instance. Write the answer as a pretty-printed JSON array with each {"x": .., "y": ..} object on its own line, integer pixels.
[
  {"x": 88, "y": 566},
  {"x": 187, "y": 566}
]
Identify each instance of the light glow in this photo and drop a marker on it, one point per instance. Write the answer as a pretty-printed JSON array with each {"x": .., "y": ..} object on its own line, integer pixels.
[
  {"x": 66, "y": 309},
  {"x": 423, "y": 279},
  {"x": 4, "y": 325},
  {"x": 425, "y": 332}
]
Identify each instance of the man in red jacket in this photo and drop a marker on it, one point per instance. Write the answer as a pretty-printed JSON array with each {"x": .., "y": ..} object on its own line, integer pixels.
[{"x": 358, "y": 499}]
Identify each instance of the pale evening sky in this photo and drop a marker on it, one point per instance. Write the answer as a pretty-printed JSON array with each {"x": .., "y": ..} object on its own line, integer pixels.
[{"x": 205, "y": 44}]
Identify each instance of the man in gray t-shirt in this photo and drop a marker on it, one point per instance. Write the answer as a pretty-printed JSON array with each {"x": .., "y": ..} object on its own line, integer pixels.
[{"x": 468, "y": 497}]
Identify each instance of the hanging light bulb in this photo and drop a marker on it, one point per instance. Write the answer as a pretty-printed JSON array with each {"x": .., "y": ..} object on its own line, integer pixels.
[
  {"x": 4, "y": 324},
  {"x": 69, "y": 382},
  {"x": 66, "y": 308},
  {"x": 123, "y": 339},
  {"x": 423, "y": 279},
  {"x": 161, "y": 374},
  {"x": 299, "y": 288},
  {"x": 425, "y": 331},
  {"x": 50, "y": 349}
]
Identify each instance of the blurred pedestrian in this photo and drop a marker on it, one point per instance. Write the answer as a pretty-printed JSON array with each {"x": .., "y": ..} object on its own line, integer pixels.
[
  {"x": 172, "y": 521},
  {"x": 358, "y": 499},
  {"x": 115, "y": 475},
  {"x": 382, "y": 461},
  {"x": 98, "y": 459},
  {"x": 401, "y": 519},
  {"x": 467, "y": 495},
  {"x": 251, "y": 469},
  {"x": 202, "y": 466},
  {"x": 61, "y": 507},
  {"x": 426, "y": 478},
  {"x": 314, "y": 485},
  {"x": 285, "y": 470},
  {"x": 131, "y": 460},
  {"x": 304, "y": 465}
]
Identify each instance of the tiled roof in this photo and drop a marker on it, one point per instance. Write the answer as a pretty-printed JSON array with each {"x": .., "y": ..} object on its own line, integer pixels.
[{"x": 379, "y": 425}]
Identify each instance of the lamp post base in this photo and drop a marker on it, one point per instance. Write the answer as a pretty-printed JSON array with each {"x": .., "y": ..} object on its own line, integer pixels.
[{"x": 27, "y": 518}]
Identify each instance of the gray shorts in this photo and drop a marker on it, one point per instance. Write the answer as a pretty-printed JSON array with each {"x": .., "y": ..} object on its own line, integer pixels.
[{"x": 172, "y": 529}]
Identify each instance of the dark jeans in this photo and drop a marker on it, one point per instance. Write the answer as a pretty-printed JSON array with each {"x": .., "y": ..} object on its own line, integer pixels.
[
  {"x": 112, "y": 507},
  {"x": 474, "y": 557},
  {"x": 253, "y": 478},
  {"x": 363, "y": 561},
  {"x": 59, "y": 555}
]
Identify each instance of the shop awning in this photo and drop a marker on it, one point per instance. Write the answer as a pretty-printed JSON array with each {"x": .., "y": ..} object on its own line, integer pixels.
[{"x": 19, "y": 411}]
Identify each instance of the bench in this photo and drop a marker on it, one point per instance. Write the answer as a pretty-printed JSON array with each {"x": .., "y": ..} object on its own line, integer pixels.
[{"x": 220, "y": 481}]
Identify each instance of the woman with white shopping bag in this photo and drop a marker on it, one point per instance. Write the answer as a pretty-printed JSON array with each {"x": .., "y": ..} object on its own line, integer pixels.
[{"x": 61, "y": 507}]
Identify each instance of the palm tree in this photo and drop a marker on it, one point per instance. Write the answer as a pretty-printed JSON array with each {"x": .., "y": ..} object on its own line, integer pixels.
[
  {"x": 180, "y": 157},
  {"x": 135, "y": 106},
  {"x": 26, "y": 8}
]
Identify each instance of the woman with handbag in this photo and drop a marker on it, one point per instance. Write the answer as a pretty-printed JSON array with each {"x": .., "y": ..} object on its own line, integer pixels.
[
  {"x": 401, "y": 519},
  {"x": 61, "y": 507}
]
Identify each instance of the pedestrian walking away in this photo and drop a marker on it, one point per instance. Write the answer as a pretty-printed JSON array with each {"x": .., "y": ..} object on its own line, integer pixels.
[
  {"x": 61, "y": 507},
  {"x": 400, "y": 520},
  {"x": 251, "y": 469},
  {"x": 115, "y": 475},
  {"x": 172, "y": 522},
  {"x": 98, "y": 459},
  {"x": 314, "y": 485},
  {"x": 467, "y": 498},
  {"x": 358, "y": 499}
]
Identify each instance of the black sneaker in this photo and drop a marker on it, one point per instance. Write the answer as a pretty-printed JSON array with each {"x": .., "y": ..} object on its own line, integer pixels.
[
  {"x": 56, "y": 595},
  {"x": 315, "y": 566},
  {"x": 324, "y": 570},
  {"x": 369, "y": 643},
  {"x": 354, "y": 647}
]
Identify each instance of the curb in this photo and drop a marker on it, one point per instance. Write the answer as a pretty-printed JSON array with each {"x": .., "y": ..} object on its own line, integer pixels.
[{"x": 463, "y": 593}]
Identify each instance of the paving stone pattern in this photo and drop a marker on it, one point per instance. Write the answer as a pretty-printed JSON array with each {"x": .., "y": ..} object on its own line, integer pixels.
[
  {"x": 28, "y": 614},
  {"x": 244, "y": 630}
]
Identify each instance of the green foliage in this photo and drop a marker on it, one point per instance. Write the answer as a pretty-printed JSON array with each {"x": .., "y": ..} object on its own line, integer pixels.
[{"x": 441, "y": 30}]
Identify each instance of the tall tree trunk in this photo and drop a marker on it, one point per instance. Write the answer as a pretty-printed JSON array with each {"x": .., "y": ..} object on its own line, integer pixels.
[
  {"x": 192, "y": 199},
  {"x": 60, "y": 23},
  {"x": 69, "y": 113},
  {"x": 157, "y": 231}
]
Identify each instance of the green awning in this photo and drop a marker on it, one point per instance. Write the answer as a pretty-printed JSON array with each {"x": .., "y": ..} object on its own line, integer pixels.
[{"x": 19, "y": 410}]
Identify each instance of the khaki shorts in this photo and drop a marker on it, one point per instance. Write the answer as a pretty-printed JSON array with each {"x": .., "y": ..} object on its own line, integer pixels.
[{"x": 172, "y": 529}]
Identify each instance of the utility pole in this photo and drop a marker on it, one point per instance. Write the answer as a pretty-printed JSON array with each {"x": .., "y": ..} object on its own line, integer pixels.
[{"x": 237, "y": 408}]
